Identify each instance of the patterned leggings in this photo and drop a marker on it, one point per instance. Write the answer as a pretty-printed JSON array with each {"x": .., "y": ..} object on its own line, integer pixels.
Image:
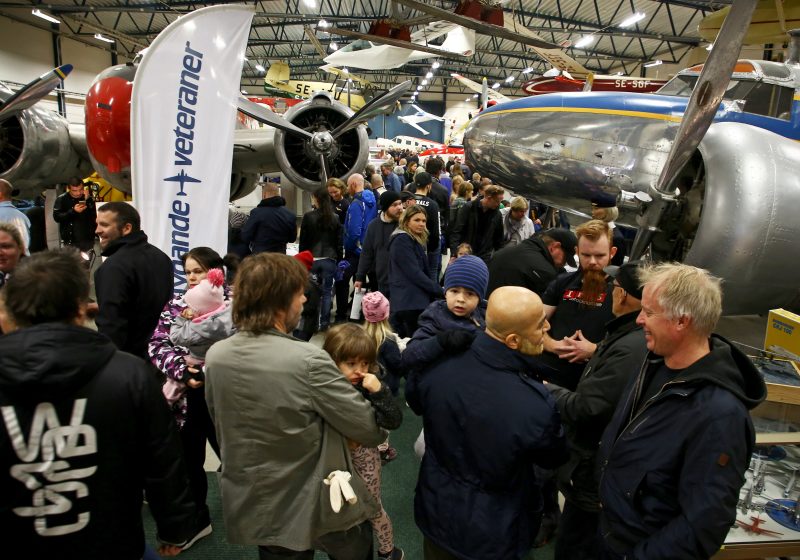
[{"x": 367, "y": 462}]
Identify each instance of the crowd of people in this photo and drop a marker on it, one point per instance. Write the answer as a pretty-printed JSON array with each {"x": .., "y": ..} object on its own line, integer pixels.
[{"x": 536, "y": 364}]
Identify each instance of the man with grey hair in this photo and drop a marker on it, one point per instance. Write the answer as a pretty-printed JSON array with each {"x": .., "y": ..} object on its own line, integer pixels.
[
  {"x": 390, "y": 179},
  {"x": 9, "y": 213},
  {"x": 672, "y": 459}
]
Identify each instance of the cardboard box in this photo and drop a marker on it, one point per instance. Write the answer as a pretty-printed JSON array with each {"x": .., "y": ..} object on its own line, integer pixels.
[{"x": 783, "y": 334}]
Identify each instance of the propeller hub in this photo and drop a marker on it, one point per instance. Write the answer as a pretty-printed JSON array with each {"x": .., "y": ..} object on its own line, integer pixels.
[{"x": 322, "y": 141}]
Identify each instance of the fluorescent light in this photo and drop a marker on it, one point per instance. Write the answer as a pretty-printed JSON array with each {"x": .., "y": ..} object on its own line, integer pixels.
[
  {"x": 528, "y": 70},
  {"x": 424, "y": 82},
  {"x": 468, "y": 98},
  {"x": 653, "y": 63},
  {"x": 260, "y": 68},
  {"x": 100, "y": 37},
  {"x": 334, "y": 47},
  {"x": 435, "y": 64},
  {"x": 633, "y": 18},
  {"x": 619, "y": 74},
  {"x": 310, "y": 3},
  {"x": 345, "y": 70},
  {"x": 419, "y": 88},
  {"x": 245, "y": 58},
  {"x": 496, "y": 85},
  {"x": 41, "y": 14},
  {"x": 710, "y": 46},
  {"x": 429, "y": 75},
  {"x": 475, "y": 96},
  {"x": 509, "y": 79},
  {"x": 584, "y": 41},
  {"x": 244, "y": 92},
  {"x": 323, "y": 23}
]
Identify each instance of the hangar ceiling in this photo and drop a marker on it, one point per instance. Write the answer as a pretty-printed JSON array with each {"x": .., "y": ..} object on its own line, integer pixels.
[{"x": 667, "y": 33}]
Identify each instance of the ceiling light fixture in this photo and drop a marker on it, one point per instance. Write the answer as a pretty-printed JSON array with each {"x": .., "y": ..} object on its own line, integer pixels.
[
  {"x": 419, "y": 88},
  {"x": 260, "y": 68},
  {"x": 345, "y": 70},
  {"x": 41, "y": 14},
  {"x": 310, "y": 3},
  {"x": 496, "y": 85},
  {"x": 100, "y": 37},
  {"x": 323, "y": 23},
  {"x": 424, "y": 82},
  {"x": 334, "y": 47},
  {"x": 658, "y": 62},
  {"x": 584, "y": 41},
  {"x": 509, "y": 79},
  {"x": 429, "y": 75},
  {"x": 633, "y": 18},
  {"x": 436, "y": 64},
  {"x": 528, "y": 70}
]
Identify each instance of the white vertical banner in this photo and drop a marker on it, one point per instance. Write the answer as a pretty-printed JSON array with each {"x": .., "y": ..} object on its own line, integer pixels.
[{"x": 183, "y": 113}]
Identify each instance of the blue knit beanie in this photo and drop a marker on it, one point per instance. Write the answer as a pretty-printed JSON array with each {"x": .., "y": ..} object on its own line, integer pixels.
[{"x": 470, "y": 272}]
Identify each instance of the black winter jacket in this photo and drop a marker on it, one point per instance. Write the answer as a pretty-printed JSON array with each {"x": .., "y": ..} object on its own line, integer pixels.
[
  {"x": 133, "y": 285},
  {"x": 587, "y": 411},
  {"x": 75, "y": 228},
  {"x": 467, "y": 230},
  {"x": 670, "y": 473},
  {"x": 410, "y": 286},
  {"x": 323, "y": 243},
  {"x": 487, "y": 423},
  {"x": 527, "y": 264},
  {"x": 375, "y": 253},
  {"x": 270, "y": 226},
  {"x": 87, "y": 425}
]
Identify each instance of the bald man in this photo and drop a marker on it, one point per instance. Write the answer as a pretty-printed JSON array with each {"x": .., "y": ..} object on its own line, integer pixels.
[
  {"x": 10, "y": 215},
  {"x": 487, "y": 423},
  {"x": 271, "y": 225}
]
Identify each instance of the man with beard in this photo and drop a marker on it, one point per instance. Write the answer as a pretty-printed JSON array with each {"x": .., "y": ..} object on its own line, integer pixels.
[
  {"x": 374, "y": 259},
  {"x": 488, "y": 422},
  {"x": 578, "y": 306},
  {"x": 586, "y": 412},
  {"x": 284, "y": 414}
]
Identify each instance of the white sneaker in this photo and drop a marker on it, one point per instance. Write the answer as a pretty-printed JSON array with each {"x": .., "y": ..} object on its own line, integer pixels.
[{"x": 201, "y": 534}]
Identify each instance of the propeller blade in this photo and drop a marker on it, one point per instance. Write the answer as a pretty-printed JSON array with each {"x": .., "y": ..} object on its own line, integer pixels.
[
  {"x": 323, "y": 169},
  {"x": 33, "y": 92},
  {"x": 700, "y": 111},
  {"x": 269, "y": 118},
  {"x": 373, "y": 108}
]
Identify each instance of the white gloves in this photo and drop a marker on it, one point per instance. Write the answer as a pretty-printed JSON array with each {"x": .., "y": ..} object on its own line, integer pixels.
[{"x": 339, "y": 481}]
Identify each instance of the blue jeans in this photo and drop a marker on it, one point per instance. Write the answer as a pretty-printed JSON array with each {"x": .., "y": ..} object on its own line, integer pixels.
[
  {"x": 325, "y": 269},
  {"x": 434, "y": 264}
]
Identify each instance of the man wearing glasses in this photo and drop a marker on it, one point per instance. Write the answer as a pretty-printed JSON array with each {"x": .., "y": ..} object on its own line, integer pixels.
[{"x": 586, "y": 412}]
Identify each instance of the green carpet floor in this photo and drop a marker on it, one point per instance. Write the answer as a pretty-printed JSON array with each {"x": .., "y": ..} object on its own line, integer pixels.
[{"x": 399, "y": 480}]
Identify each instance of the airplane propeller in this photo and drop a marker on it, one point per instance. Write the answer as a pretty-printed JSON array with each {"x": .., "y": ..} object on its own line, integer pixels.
[
  {"x": 32, "y": 93},
  {"x": 700, "y": 111},
  {"x": 322, "y": 143}
]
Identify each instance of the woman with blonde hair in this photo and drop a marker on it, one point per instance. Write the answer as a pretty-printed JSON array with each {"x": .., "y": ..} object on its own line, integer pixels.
[{"x": 411, "y": 288}]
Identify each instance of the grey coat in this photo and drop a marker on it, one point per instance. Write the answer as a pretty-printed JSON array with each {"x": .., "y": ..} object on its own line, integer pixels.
[{"x": 283, "y": 413}]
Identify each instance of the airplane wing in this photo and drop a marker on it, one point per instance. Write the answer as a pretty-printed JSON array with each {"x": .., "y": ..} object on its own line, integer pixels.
[
  {"x": 479, "y": 26},
  {"x": 415, "y": 125},
  {"x": 476, "y": 87},
  {"x": 555, "y": 56},
  {"x": 346, "y": 75},
  {"x": 397, "y": 43},
  {"x": 314, "y": 41}
]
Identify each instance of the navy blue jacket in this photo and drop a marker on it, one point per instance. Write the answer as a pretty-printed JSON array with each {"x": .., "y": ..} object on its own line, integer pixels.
[
  {"x": 375, "y": 253},
  {"x": 270, "y": 226},
  {"x": 410, "y": 287},
  {"x": 424, "y": 347},
  {"x": 670, "y": 474},
  {"x": 486, "y": 425}
]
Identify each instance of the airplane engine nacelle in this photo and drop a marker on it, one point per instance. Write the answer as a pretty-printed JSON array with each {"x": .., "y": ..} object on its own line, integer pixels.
[
  {"x": 300, "y": 160},
  {"x": 36, "y": 151},
  {"x": 749, "y": 233}
]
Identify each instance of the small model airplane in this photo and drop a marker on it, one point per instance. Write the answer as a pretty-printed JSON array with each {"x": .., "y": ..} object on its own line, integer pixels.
[
  {"x": 372, "y": 52},
  {"x": 344, "y": 89},
  {"x": 755, "y": 527},
  {"x": 419, "y": 117}
]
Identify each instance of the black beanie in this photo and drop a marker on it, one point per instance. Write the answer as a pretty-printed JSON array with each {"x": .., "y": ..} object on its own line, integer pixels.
[{"x": 387, "y": 199}]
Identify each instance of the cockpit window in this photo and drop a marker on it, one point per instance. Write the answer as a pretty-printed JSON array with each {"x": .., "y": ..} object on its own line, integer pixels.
[
  {"x": 359, "y": 45},
  {"x": 759, "y": 98}
]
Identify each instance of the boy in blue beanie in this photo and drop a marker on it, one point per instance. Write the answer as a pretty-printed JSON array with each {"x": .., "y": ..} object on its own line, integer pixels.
[{"x": 449, "y": 326}]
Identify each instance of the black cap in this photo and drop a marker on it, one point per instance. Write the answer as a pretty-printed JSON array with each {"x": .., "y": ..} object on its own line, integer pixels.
[
  {"x": 388, "y": 198},
  {"x": 627, "y": 276},
  {"x": 568, "y": 243},
  {"x": 604, "y": 201},
  {"x": 405, "y": 195},
  {"x": 423, "y": 179}
]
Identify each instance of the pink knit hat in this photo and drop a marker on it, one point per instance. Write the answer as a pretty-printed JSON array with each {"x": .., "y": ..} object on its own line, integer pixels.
[
  {"x": 375, "y": 307},
  {"x": 208, "y": 295}
]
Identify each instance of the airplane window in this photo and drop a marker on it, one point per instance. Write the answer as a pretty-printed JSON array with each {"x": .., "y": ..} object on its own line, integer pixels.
[
  {"x": 769, "y": 100},
  {"x": 359, "y": 45},
  {"x": 680, "y": 86}
]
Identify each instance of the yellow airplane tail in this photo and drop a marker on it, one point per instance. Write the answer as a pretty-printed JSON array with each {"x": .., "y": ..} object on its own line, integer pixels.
[{"x": 278, "y": 72}]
